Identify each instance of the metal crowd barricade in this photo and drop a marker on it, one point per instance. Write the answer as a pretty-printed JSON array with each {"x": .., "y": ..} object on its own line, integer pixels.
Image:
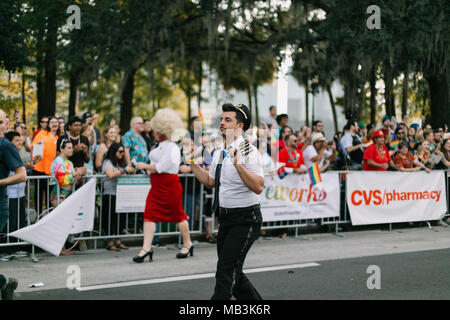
[
  {"x": 197, "y": 202},
  {"x": 133, "y": 228},
  {"x": 344, "y": 215},
  {"x": 30, "y": 208}
]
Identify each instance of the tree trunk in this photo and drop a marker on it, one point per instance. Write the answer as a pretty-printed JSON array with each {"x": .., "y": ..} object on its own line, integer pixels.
[
  {"x": 250, "y": 105},
  {"x": 189, "y": 111},
  {"x": 439, "y": 99},
  {"x": 306, "y": 84},
  {"x": 73, "y": 90},
  {"x": 255, "y": 94},
  {"x": 373, "y": 94},
  {"x": 405, "y": 94},
  {"x": 389, "y": 88},
  {"x": 126, "y": 109},
  {"x": 361, "y": 103},
  {"x": 24, "y": 118},
  {"x": 333, "y": 108},
  {"x": 350, "y": 100},
  {"x": 50, "y": 68},
  {"x": 199, "y": 84},
  {"x": 151, "y": 73},
  {"x": 40, "y": 76}
]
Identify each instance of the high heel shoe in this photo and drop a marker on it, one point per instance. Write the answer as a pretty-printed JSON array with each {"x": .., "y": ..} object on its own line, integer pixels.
[
  {"x": 185, "y": 255},
  {"x": 140, "y": 259}
]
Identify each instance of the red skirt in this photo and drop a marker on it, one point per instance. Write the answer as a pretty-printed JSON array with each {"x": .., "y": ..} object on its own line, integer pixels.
[{"x": 164, "y": 200}]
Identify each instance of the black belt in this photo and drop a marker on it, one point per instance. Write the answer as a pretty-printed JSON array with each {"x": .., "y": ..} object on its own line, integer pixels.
[{"x": 238, "y": 210}]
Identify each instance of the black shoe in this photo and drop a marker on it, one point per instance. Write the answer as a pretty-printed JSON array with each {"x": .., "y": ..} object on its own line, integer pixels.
[
  {"x": 8, "y": 292},
  {"x": 140, "y": 259},
  {"x": 185, "y": 255}
]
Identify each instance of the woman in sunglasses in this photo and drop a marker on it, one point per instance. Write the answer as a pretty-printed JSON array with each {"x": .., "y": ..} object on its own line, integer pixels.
[
  {"x": 113, "y": 166},
  {"x": 66, "y": 175}
]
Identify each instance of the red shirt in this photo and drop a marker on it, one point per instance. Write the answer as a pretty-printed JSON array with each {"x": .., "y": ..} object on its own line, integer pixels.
[
  {"x": 373, "y": 154},
  {"x": 292, "y": 160}
]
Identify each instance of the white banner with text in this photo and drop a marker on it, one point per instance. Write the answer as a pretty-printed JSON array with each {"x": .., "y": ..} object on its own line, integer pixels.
[
  {"x": 294, "y": 198},
  {"x": 391, "y": 197}
]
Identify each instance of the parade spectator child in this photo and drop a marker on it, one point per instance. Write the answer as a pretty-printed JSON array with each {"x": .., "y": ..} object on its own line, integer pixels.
[{"x": 66, "y": 175}]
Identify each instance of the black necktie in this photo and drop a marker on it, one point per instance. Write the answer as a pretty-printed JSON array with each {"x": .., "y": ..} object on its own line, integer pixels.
[{"x": 217, "y": 184}]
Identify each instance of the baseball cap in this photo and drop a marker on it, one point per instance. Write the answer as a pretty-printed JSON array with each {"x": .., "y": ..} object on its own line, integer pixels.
[
  {"x": 378, "y": 133},
  {"x": 86, "y": 115}
]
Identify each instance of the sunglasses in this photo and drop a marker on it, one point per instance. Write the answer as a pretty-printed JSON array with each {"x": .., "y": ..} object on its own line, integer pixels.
[
  {"x": 44, "y": 121},
  {"x": 121, "y": 151}
]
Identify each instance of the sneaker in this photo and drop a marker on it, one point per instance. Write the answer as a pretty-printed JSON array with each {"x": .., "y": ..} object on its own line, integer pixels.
[
  {"x": 8, "y": 291},
  {"x": 6, "y": 257},
  {"x": 20, "y": 254},
  {"x": 442, "y": 223}
]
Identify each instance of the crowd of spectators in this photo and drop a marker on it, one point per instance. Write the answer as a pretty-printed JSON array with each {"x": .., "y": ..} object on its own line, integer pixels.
[
  {"x": 390, "y": 145},
  {"x": 68, "y": 151}
]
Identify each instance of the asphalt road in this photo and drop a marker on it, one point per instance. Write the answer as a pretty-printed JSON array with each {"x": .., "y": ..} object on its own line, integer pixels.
[
  {"x": 409, "y": 264},
  {"x": 414, "y": 275}
]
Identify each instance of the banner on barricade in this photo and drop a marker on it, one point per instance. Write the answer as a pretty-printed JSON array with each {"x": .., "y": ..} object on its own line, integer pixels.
[
  {"x": 391, "y": 197},
  {"x": 74, "y": 215},
  {"x": 131, "y": 193},
  {"x": 295, "y": 198}
]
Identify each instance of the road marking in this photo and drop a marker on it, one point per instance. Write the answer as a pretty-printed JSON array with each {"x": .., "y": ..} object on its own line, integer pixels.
[{"x": 192, "y": 277}]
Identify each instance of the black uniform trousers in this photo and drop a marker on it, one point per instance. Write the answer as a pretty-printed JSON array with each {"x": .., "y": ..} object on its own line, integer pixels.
[{"x": 238, "y": 229}]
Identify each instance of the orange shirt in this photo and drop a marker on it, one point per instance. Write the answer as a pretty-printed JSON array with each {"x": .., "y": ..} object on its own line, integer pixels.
[
  {"x": 49, "y": 151},
  {"x": 407, "y": 163}
]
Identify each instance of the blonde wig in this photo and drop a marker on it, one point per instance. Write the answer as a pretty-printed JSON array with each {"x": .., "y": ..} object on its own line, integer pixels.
[{"x": 167, "y": 122}]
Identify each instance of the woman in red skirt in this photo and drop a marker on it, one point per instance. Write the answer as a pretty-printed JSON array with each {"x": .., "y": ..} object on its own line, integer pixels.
[{"x": 164, "y": 201}]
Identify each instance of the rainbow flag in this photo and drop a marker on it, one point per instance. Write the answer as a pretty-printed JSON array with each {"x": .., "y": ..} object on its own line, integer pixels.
[
  {"x": 282, "y": 172},
  {"x": 394, "y": 144},
  {"x": 424, "y": 158},
  {"x": 314, "y": 174}
]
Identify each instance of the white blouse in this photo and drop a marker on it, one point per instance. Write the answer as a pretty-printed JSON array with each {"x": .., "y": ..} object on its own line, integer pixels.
[{"x": 166, "y": 157}]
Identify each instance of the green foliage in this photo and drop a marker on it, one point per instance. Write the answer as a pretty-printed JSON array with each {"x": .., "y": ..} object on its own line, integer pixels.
[{"x": 167, "y": 43}]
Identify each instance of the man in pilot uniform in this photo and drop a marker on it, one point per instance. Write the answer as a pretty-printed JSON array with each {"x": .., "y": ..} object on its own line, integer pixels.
[{"x": 236, "y": 174}]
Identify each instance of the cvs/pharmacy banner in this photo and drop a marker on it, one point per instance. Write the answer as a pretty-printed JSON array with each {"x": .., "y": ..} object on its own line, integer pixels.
[
  {"x": 389, "y": 197},
  {"x": 294, "y": 198}
]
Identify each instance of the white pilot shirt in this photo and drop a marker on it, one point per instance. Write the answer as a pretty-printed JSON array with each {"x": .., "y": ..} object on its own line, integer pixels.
[
  {"x": 166, "y": 157},
  {"x": 232, "y": 192}
]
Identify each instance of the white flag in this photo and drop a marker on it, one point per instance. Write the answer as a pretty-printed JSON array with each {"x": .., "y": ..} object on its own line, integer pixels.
[
  {"x": 83, "y": 204},
  {"x": 73, "y": 215}
]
